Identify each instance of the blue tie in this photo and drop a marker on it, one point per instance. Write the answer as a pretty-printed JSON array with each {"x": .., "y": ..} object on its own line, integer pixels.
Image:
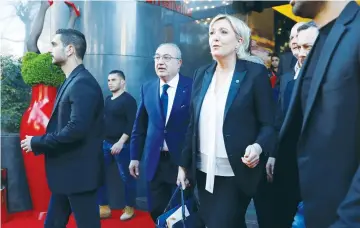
[{"x": 164, "y": 99}]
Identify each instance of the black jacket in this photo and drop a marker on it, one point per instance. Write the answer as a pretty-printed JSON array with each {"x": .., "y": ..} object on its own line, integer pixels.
[
  {"x": 249, "y": 118},
  {"x": 72, "y": 144}
]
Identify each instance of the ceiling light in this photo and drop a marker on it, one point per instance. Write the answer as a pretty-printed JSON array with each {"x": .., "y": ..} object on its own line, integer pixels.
[
  {"x": 212, "y": 7},
  {"x": 197, "y": 8},
  {"x": 205, "y": 7}
]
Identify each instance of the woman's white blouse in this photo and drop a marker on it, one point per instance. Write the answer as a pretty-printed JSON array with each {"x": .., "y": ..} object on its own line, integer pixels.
[{"x": 213, "y": 159}]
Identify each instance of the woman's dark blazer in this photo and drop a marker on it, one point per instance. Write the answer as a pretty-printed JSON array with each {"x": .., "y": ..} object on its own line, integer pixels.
[{"x": 248, "y": 118}]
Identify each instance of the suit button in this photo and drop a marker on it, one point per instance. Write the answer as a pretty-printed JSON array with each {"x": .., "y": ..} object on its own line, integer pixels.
[
  {"x": 227, "y": 136},
  {"x": 165, "y": 131}
]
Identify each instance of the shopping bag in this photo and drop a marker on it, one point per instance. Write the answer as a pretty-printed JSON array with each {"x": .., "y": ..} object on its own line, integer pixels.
[{"x": 180, "y": 216}]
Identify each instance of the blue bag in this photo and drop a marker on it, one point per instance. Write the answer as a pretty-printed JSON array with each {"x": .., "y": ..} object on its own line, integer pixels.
[
  {"x": 299, "y": 221},
  {"x": 185, "y": 222}
]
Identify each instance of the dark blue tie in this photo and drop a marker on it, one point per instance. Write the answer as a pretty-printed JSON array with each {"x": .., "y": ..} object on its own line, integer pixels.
[{"x": 164, "y": 99}]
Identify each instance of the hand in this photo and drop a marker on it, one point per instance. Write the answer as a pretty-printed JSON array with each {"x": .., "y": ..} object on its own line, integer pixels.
[
  {"x": 116, "y": 148},
  {"x": 252, "y": 155},
  {"x": 134, "y": 168},
  {"x": 270, "y": 169},
  {"x": 181, "y": 178},
  {"x": 26, "y": 144}
]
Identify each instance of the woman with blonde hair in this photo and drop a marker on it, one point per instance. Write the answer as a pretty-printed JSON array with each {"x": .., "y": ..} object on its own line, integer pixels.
[{"x": 231, "y": 127}]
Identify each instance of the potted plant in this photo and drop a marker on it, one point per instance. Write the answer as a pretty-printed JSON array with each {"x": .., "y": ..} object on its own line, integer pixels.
[{"x": 44, "y": 77}]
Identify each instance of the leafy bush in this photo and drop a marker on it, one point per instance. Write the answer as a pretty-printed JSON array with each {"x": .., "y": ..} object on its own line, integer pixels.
[
  {"x": 15, "y": 94},
  {"x": 38, "y": 69}
]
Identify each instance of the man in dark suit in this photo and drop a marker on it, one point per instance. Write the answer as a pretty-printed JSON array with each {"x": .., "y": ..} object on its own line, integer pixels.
[
  {"x": 288, "y": 60},
  {"x": 72, "y": 144},
  {"x": 160, "y": 127},
  {"x": 322, "y": 123},
  {"x": 286, "y": 183},
  {"x": 287, "y": 63},
  {"x": 271, "y": 201}
]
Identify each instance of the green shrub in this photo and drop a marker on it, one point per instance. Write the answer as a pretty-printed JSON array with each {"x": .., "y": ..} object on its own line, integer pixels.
[
  {"x": 38, "y": 69},
  {"x": 15, "y": 94}
]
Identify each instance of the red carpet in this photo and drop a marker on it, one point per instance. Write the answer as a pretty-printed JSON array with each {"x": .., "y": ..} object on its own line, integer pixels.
[{"x": 24, "y": 220}]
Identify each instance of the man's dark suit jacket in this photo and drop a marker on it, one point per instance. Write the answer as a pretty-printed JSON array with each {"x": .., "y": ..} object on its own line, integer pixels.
[
  {"x": 149, "y": 129},
  {"x": 328, "y": 136},
  {"x": 287, "y": 63},
  {"x": 285, "y": 187},
  {"x": 285, "y": 79},
  {"x": 72, "y": 144},
  {"x": 249, "y": 118}
]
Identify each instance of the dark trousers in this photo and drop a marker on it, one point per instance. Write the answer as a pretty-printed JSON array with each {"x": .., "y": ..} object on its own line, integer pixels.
[
  {"x": 225, "y": 207},
  {"x": 162, "y": 185},
  {"x": 286, "y": 191},
  {"x": 285, "y": 207},
  {"x": 264, "y": 203},
  {"x": 122, "y": 161},
  {"x": 83, "y": 205}
]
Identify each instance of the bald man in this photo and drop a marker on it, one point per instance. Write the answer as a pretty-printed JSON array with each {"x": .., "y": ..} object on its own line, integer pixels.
[
  {"x": 289, "y": 59},
  {"x": 284, "y": 190}
]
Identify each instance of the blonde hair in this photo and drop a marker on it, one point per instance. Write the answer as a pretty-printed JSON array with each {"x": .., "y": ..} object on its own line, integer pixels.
[{"x": 242, "y": 31}]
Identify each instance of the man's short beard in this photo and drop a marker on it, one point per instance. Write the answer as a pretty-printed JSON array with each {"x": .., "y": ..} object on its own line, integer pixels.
[
  {"x": 116, "y": 90},
  {"x": 308, "y": 9}
]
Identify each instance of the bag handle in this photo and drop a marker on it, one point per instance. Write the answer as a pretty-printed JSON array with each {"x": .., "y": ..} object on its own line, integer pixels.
[
  {"x": 171, "y": 199},
  {"x": 182, "y": 203},
  {"x": 182, "y": 206}
]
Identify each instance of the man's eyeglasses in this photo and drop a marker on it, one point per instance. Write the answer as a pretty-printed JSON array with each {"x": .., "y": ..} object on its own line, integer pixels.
[{"x": 166, "y": 58}]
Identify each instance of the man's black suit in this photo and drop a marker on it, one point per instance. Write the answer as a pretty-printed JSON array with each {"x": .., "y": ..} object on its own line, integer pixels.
[
  {"x": 285, "y": 187},
  {"x": 72, "y": 147},
  {"x": 324, "y": 129},
  {"x": 287, "y": 63}
]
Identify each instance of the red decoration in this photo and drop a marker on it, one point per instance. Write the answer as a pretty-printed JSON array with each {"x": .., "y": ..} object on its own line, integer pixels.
[
  {"x": 33, "y": 123},
  {"x": 4, "y": 211},
  {"x": 72, "y": 5},
  {"x": 3, "y": 195}
]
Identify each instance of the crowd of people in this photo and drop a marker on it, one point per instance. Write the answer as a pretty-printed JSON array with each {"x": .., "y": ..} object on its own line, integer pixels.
[{"x": 222, "y": 132}]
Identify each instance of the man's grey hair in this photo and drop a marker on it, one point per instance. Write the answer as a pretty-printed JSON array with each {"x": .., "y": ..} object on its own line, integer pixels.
[
  {"x": 177, "y": 49},
  {"x": 303, "y": 27}
]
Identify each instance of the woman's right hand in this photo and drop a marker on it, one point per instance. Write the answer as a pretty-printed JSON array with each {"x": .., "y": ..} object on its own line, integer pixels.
[{"x": 181, "y": 178}]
